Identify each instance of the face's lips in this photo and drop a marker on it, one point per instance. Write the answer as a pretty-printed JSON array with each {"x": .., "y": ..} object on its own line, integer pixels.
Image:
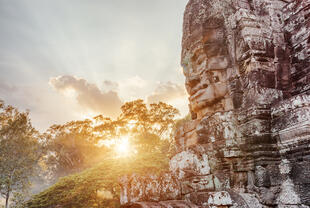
[{"x": 204, "y": 97}]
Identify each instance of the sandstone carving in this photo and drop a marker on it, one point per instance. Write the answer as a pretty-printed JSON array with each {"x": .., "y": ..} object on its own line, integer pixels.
[{"x": 247, "y": 70}]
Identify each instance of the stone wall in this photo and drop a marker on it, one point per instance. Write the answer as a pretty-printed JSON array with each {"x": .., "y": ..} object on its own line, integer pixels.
[{"x": 247, "y": 70}]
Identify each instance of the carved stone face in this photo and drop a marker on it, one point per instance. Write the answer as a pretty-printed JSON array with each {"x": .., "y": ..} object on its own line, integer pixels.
[{"x": 205, "y": 67}]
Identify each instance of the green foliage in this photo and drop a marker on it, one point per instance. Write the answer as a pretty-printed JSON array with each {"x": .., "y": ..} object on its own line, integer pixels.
[
  {"x": 18, "y": 199},
  {"x": 81, "y": 190},
  {"x": 20, "y": 150},
  {"x": 73, "y": 146},
  {"x": 158, "y": 119}
]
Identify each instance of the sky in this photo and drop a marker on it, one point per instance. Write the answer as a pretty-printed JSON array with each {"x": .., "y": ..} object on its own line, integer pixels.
[{"x": 68, "y": 60}]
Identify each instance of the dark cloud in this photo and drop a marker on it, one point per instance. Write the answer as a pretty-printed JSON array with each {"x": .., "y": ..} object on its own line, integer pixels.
[
  {"x": 167, "y": 92},
  {"x": 89, "y": 95}
]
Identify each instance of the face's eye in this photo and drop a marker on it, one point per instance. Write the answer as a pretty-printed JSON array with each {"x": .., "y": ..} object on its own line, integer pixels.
[{"x": 216, "y": 79}]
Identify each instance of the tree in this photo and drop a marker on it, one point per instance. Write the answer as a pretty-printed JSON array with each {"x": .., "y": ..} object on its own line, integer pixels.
[
  {"x": 19, "y": 151},
  {"x": 151, "y": 128},
  {"x": 72, "y": 147},
  {"x": 158, "y": 119},
  {"x": 74, "y": 144},
  {"x": 83, "y": 189}
]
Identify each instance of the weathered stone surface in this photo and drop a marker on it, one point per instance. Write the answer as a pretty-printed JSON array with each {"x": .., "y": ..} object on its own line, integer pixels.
[
  {"x": 198, "y": 183},
  {"x": 219, "y": 198},
  {"x": 191, "y": 162},
  {"x": 163, "y": 204},
  {"x": 137, "y": 188},
  {"x": 247, "y": 70}
]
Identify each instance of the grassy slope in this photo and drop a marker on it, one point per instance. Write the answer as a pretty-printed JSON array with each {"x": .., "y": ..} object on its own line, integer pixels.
[{"x": 80, "y": 190}]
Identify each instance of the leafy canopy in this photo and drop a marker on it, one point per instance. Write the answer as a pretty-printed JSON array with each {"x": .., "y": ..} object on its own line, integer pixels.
[
  {"x": 83, "y": 189},
  {"x": 75, "y": 145},
  {"x": 20, "y": 150}
]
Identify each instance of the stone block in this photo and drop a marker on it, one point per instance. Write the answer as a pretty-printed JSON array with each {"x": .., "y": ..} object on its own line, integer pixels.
[
  {"x": 191, "y": 162},
  {"x": 221, "y": 198},
  {"x": 197, "y": 183}
]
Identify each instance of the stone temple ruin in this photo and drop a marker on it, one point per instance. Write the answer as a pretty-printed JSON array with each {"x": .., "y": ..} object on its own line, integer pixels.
[{"x": 247, "y": 71}]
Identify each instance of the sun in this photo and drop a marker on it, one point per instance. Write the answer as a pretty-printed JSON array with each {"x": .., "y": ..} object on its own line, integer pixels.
[{"x": 122, "y": 147}]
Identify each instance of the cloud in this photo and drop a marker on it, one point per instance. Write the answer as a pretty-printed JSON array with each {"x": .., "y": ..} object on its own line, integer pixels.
[
  {"x": 167, "y": 92},
  {"x": 110, "y": 85},
  {"x": 136, "y": 48},
  {"x": 88, "y": 95},
  {"x": 134, "y": 87}
]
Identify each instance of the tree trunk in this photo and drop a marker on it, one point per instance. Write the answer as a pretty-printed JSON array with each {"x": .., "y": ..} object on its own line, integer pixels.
[{"x": 7, "y": 199}]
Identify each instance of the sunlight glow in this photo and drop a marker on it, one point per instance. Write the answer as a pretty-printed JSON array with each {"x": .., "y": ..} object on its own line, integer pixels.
[
  {"x": 122, "y": 147},
  {"x": 131, "y": 124}
]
